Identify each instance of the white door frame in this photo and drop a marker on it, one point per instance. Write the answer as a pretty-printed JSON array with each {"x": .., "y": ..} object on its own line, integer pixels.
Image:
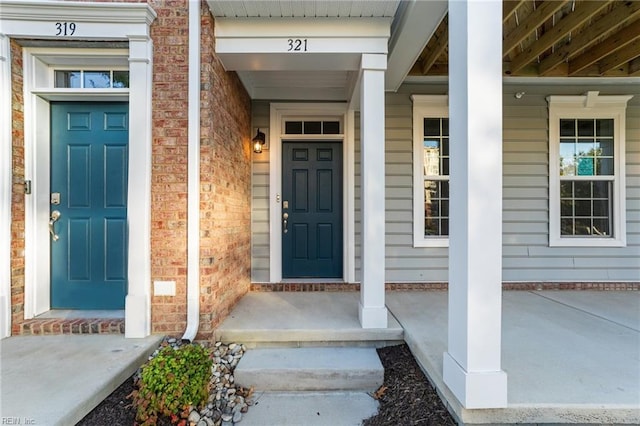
[
  {"x": 278, "y": 113},
  {"x": 126, "y": 22}
]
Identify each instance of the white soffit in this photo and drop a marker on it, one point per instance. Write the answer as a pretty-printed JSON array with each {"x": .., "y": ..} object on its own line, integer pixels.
[{"x": 303, "y": 9}]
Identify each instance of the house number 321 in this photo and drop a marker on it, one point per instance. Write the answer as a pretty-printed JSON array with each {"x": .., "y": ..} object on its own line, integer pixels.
[
  {"x": 65, "y": 28},
  {"x": 297, "y": 45}
]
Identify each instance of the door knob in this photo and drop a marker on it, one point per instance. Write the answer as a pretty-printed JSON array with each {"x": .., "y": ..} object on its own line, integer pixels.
[
  {"x": 55, "y": 215},
  {"x": 285, "y": 216}
]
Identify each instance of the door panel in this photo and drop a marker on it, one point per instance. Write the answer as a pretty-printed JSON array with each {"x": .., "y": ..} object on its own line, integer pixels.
[
  {"x": 312, "y": 201},
  {"x": 89, "y": 170}
]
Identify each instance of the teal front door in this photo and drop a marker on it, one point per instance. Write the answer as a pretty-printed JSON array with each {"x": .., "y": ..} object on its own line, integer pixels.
[
  {"x": 88, "y": 211},
  {"x": 312, "y": 210}
]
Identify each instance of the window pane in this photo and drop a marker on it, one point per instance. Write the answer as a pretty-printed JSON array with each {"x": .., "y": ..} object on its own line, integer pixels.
[
  {"x": 566, "y": 226},
  {"x": 604, "y": 147},
  {"x": 585, "y": 166},
  {"x": 582, "y": 227},
  {"x": 67, "y": 79},
  {"x": 566, "y": 189},
  {"x": 293, "y": 127},
  {"x": 431, "y": 158},
  {"x": 585, "y": 149},
  {"x": 566, "y": 208},
  {"x": 445, "y": 167},
  {"x": 586, "y": 128},
  {"x": 583, "y": 207},
  {"x": 120, "y": 79},
  {"x": 445, "y": 127},
  {"x": 331, "y": 127},
  {"x": 582, "y": 189},
  {"x": 445, "y": 146},
  {"x": 567, "y": 157},
  {"x": 601, "y": 208},
  {"x": 601, "y": 189},
  {"x": 432, "y": 127},
  {"x": 601, "y": 227},
  {"x": 312, "y": 127},
  {"x": 567, "y": 127},
  {"x": 604, "y": 127},
  {"x": 97, "y": 79},
  {"x": 444, "y": 227},
  {"x": 604, "y": 167}
]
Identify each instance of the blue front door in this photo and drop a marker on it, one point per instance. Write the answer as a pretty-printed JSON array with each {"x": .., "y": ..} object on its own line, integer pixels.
[
  {"x": 89, "y": 193},
  {"x": 312, "y": 210}
]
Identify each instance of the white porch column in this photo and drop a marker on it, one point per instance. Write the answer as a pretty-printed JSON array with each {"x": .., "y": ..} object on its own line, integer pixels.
[
  {"x": 372, "y": 312},
  {"x": 472, "y": 368},
  {"x": 5, "y": 187},
  {"x": 138, "y": 300}
]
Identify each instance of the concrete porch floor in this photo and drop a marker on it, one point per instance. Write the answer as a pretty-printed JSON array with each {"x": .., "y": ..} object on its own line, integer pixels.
[
  {"x": 571, "y": 356},
  {"x": 57, "y": 380}
]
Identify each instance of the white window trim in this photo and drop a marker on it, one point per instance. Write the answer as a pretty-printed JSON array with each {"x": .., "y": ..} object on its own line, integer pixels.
[
  {"x": 432, "y": 106},
  {"x": 592, "y": 106}
]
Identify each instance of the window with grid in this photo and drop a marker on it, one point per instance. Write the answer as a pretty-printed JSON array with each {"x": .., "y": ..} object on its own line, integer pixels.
[
  {"x": 431, "y": 171},
  {"x": 586, "y": 177},
  {"x": 435, "y": 161},
  {"x": 586, "y": 172}
]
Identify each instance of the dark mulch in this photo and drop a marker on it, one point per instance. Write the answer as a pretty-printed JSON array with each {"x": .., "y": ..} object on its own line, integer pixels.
[{"x": 406, "y": 397}]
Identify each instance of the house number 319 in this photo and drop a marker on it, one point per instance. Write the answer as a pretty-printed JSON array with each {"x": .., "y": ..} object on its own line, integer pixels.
[
  {"x": 297, "y": 45},
  {"x": 65, "y": 28}
]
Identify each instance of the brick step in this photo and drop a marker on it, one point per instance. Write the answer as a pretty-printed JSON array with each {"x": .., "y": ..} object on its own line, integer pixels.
[
  {"x": 53, "y": 326},
  {"x": 310, "y": 369}
]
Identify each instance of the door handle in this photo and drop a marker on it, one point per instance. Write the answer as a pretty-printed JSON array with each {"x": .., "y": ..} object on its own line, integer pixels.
[
  {"x": 285, "y": 217},
  {"x": 55, "y": 215}
]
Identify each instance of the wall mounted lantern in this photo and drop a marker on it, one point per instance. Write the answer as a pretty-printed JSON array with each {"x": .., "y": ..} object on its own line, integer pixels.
[{"x": 258, "y": 141}]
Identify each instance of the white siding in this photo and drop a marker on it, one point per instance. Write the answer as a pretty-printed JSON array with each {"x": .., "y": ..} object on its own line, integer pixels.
[{"x": 526, "y": 252}]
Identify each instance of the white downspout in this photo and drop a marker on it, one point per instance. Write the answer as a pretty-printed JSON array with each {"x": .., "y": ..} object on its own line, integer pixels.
[{"x": 193, "y": 184}]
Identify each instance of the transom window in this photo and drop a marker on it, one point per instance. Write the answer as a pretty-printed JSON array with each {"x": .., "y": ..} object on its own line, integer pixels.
[
  {"x": 430, "y": 171},
  {"x": 312, "y": 127},
  {"x": 91, "y": 79},
  {"x": 586, "y": 172}
]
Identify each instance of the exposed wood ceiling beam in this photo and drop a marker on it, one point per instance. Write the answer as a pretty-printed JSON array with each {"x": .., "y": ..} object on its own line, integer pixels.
[
  {"x": 634, "y": 67},
  {"x": 614, "y": 42},
  {"x": 620, "y": 14},
  {"x": 508, "y": 7},
  {"x": 567, "y": 24},
  {"x": 529, "y": 25},
  {"x": 434, "y": 50},
  {"x": 620, "y": 56}
]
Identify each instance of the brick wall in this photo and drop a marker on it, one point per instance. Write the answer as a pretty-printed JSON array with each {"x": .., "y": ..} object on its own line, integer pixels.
[
  {"x": 225, "y": 256},
  {"x": 225, "y": 183},
  {"x": 169, "y": 163},
  {"x": 17, "y": 192},
  {"x": 225, "y": 175}
]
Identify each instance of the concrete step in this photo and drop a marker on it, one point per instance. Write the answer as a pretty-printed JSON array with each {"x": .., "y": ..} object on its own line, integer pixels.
[
  {"x": 310, "y": 369},
  {"x": 310, "y": 409}
]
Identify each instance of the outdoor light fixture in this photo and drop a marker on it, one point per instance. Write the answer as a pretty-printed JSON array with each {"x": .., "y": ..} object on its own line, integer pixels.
[
  {"x": 518, "y": 95},
  {"x": 258, "y": 141}
]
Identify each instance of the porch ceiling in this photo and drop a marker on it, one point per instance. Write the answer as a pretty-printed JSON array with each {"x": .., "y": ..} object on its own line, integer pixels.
[
  {"x": 303, "y": 9},
  {"x": 558, "y": 38}
]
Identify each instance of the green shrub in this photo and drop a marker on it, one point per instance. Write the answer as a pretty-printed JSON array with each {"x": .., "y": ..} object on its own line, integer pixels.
[{"x": 172, "y": 382}]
